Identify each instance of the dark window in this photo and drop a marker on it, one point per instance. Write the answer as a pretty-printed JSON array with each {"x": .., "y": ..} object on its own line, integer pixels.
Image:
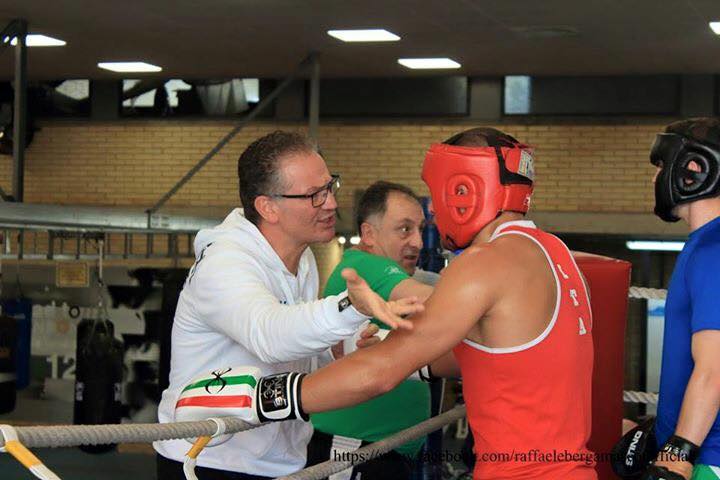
[
  {"x": 189, "y": 97},
  {"x": 643, "y": 95},
  {"x": 427, "y": 96}
]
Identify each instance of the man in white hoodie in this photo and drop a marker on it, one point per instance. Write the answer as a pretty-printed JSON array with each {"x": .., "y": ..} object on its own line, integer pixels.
[{"x": 251, "y": 299}]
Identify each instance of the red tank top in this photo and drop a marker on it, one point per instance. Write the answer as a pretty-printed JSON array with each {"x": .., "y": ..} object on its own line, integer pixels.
[{"x": 529, "y": 406}]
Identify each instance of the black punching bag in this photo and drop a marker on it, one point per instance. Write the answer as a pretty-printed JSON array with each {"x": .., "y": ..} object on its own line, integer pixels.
[
  {"x": 8, "y": 382},
  {"x": 98, "y": 377}
]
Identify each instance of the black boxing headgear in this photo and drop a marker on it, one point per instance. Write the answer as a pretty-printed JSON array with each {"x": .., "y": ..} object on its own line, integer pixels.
[{"x": 676, "y": 183}]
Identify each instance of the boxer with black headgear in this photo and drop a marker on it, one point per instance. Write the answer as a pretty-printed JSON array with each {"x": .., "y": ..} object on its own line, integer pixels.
[
  {"x": 511, "y": 314},
  {"x": 687, "y": 187},
  {"x": 689, "y": 170}
]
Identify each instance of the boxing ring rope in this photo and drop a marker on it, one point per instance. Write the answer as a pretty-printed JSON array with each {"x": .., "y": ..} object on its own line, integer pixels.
[
  {"x": 647, "y": 293},
  {"x": 376, "y": 449},
  {"x": 74, "y": 435},
  {"x": 631, "y": 396}
]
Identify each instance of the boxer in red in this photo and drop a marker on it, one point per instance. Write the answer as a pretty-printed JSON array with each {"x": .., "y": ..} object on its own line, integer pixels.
[{"x": 511, "y": 314}]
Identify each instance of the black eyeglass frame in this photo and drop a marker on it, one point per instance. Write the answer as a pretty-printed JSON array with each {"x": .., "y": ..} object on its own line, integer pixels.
[{"x": 334, "y": 182}]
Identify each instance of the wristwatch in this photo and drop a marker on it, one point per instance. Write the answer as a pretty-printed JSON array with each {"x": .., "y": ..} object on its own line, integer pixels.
[{"x": 344, "y": 303}]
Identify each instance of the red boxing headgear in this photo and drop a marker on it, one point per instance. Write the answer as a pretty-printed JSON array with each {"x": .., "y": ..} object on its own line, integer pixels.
[{"x": 471, "y": 186}]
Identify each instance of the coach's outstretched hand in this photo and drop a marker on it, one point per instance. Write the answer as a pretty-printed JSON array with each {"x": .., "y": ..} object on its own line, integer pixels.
[{"x": 370, "y": 303}]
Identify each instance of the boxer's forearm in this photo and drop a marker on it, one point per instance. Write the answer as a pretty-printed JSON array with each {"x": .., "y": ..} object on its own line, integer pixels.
[
  {"x": 700, "y": 402},
  {"x": 373, "y": 371},
  {"x": 351, "y": 380},
  {"x": 702, "y": 394},
  {"x": 700, "y": 405},
  {"x": 698, "y": 412}
]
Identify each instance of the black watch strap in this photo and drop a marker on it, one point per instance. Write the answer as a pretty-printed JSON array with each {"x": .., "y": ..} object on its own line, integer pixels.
[{"x": 344, "y": 303}]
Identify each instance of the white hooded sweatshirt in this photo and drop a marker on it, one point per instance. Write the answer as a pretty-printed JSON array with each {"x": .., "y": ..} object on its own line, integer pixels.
[{"x": 241, "y": 306}]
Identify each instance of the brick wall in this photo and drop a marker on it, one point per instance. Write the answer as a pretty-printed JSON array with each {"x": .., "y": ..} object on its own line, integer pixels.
[{"x": 579, "y": 168}]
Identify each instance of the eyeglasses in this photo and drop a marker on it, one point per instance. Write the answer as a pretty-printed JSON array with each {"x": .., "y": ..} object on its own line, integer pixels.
[{"x": 320, "y": 196}]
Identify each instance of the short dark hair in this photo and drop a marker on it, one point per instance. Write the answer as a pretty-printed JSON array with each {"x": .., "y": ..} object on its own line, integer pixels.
[
  {"x": 258, "y": 171},
  {"x": 482, "y": 137},
  {"x": 702, "y": 129},
  {"x": 374, "y": 200}
]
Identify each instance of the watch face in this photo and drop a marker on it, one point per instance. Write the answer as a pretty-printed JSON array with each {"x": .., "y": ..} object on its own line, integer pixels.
[{"x": 344, "y": 303}]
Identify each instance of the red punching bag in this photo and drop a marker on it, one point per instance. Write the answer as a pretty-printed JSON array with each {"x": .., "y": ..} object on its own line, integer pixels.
[{"x": 609, "y": 281}]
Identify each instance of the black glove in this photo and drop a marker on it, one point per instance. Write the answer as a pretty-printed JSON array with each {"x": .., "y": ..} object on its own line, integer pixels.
[
  {"x": 635, "y": 450},
  {"x": 654, "y": 472}
]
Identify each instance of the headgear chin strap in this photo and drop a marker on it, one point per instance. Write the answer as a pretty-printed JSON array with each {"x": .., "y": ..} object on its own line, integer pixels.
[
  {"x": 676, "y": 183},
  {"x": 472, "y": 186}
]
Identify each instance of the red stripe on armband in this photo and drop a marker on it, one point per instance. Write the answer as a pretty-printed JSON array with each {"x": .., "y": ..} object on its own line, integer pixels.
[{"x": 216, "y": 401}]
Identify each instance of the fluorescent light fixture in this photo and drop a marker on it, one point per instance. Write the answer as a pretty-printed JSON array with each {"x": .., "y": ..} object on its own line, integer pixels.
[
  {"x": 715, "y": 26},
  {"x": 354, "y": 240},
  {"x": 341, "y": 240},
  {"x": 37, "y": 40},
  {"x": 366, "y": 35},
  {"x": 656, "y": 246},
  {"x": 129, "y": 67},
  {"x": 428, "y": 63}
]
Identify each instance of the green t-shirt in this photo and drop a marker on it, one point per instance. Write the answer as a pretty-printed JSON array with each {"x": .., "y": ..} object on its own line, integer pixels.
[{"x": 402, "y": 407}]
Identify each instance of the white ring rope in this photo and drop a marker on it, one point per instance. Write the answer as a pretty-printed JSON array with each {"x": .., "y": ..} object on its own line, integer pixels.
[
  {"x": 631, "y": 396},
  {"x": 647, "y": 293},
  {"x": 74, "y": 435},
  {"x": 373, "y": 450},
  {"x": 376, "y": 449}
]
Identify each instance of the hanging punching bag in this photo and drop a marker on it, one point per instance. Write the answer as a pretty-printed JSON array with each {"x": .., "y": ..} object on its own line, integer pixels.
[
  {"x": 98, "y": 377},
  {"x": 21, "y": 310},
  {"x": 8, "y": 342}
]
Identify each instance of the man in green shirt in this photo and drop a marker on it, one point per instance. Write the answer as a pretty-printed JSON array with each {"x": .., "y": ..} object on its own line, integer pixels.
[{"x": 390, "y": 222}]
